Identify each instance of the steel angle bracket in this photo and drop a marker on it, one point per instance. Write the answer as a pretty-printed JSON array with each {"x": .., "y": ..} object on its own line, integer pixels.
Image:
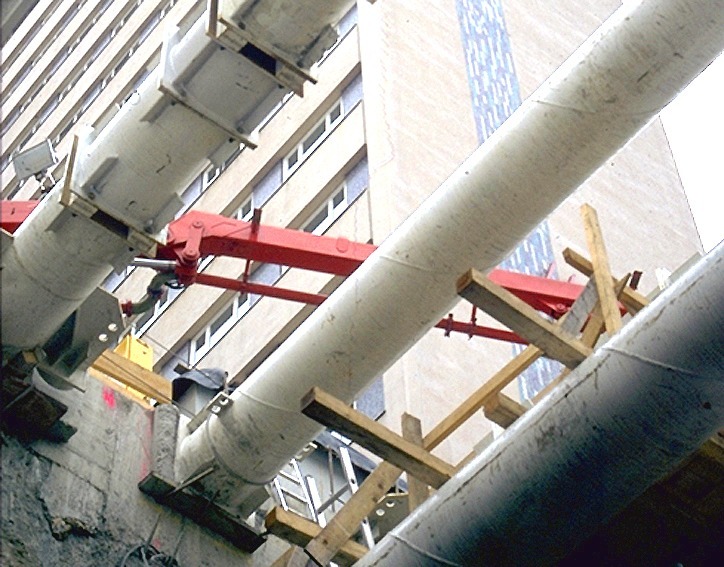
[
  {"x": 222, "y": 29},
  {"x": 216, "y": 406},
  {"x": 76, "y": 204},
  {"x": 166, "y": 84}
]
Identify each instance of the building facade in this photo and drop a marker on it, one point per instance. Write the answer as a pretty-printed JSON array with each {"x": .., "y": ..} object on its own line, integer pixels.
[{"x": 409, "y": 90}]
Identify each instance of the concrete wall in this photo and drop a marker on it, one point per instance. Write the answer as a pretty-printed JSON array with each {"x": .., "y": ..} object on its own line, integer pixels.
[{"x": 78, "y": 503}]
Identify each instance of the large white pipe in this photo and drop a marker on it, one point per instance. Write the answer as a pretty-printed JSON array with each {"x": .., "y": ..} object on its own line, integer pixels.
[
  {"x": 595, "y": 102},
  {"x": 135, "y": 167},
  {"x": 623, "y": 420}
]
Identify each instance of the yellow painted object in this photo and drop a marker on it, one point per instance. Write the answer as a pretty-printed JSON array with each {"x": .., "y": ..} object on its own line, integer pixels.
[
  {"x": 136, "y": 351},
  {"x": 152, "y": 389}
]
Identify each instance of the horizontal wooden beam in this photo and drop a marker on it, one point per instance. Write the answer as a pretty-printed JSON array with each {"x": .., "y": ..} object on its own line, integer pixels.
[
  {"x": 299, "y": 531},
  {"x": 503, "y": 410},
  {"x": 334, "y": 413},
  {"x": 522, "y": 319},
  {"x": 133, "y": 375},
  {"x": 595, "y": 327},
  {"x": 632, "y": 300}
]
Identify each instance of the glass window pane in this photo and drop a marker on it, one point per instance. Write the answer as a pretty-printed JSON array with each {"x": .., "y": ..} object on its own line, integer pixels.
[
  {"x": 313, "y": 137},
  {"x": 338, "y": 198},
  {"x": 223, "y": 317},
  {"x": 316, "y": 220}
]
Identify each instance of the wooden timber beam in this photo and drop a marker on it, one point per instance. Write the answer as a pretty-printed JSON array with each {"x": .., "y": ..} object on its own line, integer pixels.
[
  {"x": 601, "y": 270},
  {"x": 595, "y": 327},
  {"x": 137, "y": 377},
  {"x": 503, "y": 410},
  {"x": 631, "y": 299},
  {"x": 417, "y": 491},
  {"x": 344, "y": 524},
  {"x": 334, "y": 413},
  {"x": 522, "y": 319},
  {"x": 299, "y": 531}
]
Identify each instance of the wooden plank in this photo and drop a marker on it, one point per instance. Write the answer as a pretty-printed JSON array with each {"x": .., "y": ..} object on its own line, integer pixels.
[
  {"x": 521, "y": 318},
  {"x": 503, "y": 410},
  {"x": 292, "y": 557},
  {"x": 417, "y": 491},
  {"x": 133, "y": 375},
  {"x": 334, "y": 413},
  {"x": 300, "y": 531},
  {"x": 345, "y": 523},
  {"x": 200, "y": 510},
  {"x": 476, "y": 400},
  {"x": 601, "y": 269},
  {"x": 632, "y": 300}
]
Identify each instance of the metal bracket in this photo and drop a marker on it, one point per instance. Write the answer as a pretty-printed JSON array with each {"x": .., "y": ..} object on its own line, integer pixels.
[
  {"x": 217, "y": 405},
  {"x": 167, "y": 87},
  {"x": 227, "y": 33},
  {"x": 76, "y": 204}
]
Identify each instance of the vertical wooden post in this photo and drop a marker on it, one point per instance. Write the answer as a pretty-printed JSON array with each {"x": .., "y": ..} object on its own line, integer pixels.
[
  {"x": 601, "y": 270},
  {"x": 417, "y": 490}
]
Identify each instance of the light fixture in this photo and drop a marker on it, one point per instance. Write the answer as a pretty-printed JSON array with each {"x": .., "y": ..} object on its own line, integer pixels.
[{"x": 34, "y": 161}]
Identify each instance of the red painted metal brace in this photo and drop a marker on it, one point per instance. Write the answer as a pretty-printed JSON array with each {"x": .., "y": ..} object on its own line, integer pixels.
[{"x": 221, "y": 236}]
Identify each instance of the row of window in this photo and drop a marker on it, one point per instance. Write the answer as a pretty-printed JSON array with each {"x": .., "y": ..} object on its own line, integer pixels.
[
  {"x": 55, "y": 65},
  {"x": 318, "y": 223},
  {"x": 45, "y": 45},
  {"x": 219, "y": 326},
  {"x": 100, "y": 84},
  {"x": 312, "y": 140}
]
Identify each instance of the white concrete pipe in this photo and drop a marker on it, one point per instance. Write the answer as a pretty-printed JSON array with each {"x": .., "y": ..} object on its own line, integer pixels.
[
  {"x": 624, "y": 419},
  {"x": 134, "y": 169},
  {"x": 598, "y": 100}
]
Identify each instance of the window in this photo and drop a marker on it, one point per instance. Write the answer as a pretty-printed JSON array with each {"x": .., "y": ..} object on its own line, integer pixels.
[
  {"x": 329, "y": 212},
  {"x": 246, "y": 211},
  {"x": 209, "y": 176},
  {"x": 311, "y": 141},
  {"x": 218, "y": 327}
]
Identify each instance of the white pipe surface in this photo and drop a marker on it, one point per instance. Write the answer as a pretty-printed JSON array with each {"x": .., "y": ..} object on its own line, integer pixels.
[
  {"x": 624, "y": 419},
  {"x": 137, "y": 165},
  {"x": 640, "y": 59}
]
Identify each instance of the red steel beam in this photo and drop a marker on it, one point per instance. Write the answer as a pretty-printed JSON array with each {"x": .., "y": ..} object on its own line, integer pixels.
[
  {"x": 448, "y": 325},
  {"x": 222, "y": 236}
]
